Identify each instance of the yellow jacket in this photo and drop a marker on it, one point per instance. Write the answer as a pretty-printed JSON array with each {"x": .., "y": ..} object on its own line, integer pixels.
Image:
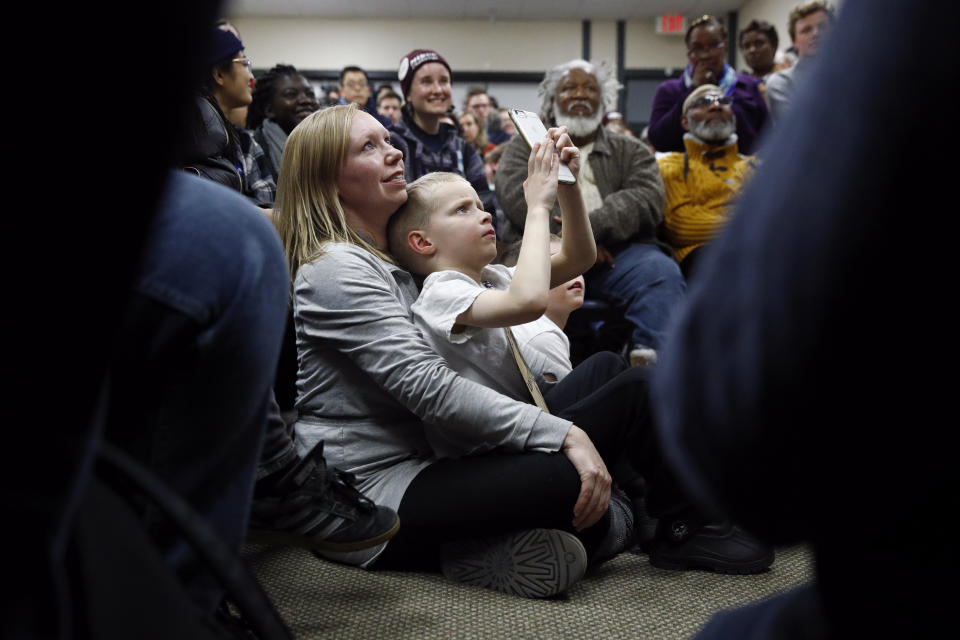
[{"x": 701, "y": 184}]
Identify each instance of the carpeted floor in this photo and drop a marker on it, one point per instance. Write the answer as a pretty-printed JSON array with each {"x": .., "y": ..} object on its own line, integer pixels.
[{"x": 624, "y": 598}]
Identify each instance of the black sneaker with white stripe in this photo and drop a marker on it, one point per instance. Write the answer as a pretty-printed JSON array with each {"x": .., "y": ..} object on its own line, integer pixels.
[
  {"x": 317, "y": 507},
  {"x": 535, "y": 563}
]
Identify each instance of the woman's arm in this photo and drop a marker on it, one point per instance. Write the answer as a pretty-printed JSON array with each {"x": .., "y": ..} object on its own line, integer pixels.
[
  {"x": 666, "y": 132},
  {"x": 347, "y": 300}
]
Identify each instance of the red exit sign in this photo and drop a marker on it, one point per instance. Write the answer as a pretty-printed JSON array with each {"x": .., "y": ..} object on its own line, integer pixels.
[{"x": 671, "y": 24}]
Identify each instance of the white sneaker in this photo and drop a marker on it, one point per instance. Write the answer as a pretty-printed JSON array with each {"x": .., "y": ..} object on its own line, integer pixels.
[
  {"x": 642, "y": 357},
  {"x": 536, "y": 563}
]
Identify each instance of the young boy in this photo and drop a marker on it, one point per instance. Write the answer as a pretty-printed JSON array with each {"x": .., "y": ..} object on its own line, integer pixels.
[{"x": 443, "y": 233}]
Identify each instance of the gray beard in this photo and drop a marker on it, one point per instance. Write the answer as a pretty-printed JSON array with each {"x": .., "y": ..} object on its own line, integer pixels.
[
  {"x": 578, "y": 126},
  {"x": 715, "y": 132}
]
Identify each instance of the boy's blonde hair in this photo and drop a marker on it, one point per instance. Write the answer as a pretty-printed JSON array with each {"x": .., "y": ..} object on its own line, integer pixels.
[
  {"x": 415, "y": 215},
  {"x": 308, "y": 213}
]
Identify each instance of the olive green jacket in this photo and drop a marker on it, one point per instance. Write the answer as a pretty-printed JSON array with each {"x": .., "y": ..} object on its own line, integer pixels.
[{"x": 628, "y": 180}]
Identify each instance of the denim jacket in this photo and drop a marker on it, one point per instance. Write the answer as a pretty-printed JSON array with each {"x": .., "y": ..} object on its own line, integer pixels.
[{"x": 628, "y": 180}]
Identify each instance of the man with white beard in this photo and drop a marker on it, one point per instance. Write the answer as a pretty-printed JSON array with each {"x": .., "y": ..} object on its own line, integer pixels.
[
  {"x": 704, "y": 179},
  {"x": 623, "y": 192}
]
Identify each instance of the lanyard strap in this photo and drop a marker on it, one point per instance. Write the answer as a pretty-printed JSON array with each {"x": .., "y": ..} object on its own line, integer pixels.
[{"x": 525, "y": 371}]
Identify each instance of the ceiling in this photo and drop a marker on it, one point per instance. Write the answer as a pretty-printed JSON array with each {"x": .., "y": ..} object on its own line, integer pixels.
[{"x": 482, "y": 9}]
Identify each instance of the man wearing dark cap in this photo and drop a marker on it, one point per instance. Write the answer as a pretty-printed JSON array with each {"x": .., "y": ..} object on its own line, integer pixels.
[{"x": 220, "y": 150}]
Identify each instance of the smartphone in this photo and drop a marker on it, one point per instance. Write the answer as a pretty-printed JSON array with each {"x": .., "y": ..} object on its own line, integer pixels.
[{"x": 531, "y": 128}]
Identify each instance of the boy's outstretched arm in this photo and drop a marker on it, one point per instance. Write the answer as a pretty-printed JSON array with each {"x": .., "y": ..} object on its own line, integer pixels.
[
  {"x": 526, "y": 298},
  {"x": 578, "y": 249}
]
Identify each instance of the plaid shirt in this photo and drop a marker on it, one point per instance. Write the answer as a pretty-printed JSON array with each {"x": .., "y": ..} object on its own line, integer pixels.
[{"x": 258, "y": 183}]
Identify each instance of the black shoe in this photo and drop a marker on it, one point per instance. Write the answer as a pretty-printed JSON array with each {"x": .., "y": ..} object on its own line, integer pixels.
[
  {"x": 620, "y": 534},
  {"x": 720, "y": 547},
  {"x": 645, "y": 525},
  {"x": 316, "y": 507}
]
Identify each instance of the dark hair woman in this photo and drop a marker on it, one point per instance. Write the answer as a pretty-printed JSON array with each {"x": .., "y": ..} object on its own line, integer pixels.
[
  {"x": 281, "y": 100},
  {"x": 758, "y": 42}
]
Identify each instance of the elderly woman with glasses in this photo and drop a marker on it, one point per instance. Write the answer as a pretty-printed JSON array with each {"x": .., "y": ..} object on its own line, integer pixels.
[{"x": 706, "y": 64}]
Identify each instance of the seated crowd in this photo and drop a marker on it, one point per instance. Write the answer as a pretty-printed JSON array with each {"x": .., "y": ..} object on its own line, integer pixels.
[
  {"x": 431, "y": 417},
  {"x": 467, "y": 220}
]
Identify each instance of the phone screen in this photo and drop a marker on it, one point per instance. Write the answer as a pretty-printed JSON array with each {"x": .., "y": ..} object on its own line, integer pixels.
[{"x": 533, "y": 131}]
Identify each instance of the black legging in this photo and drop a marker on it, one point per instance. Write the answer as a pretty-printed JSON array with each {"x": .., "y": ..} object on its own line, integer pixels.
[{"x": 495, "y": 493}]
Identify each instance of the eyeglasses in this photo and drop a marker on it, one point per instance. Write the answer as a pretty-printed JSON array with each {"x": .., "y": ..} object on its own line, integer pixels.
[
  {"x": 247, "y": 62},
  {"x": 356, "y": 85},
  {"x": 702, "y": 52},
  {"x": 708, "y": 100}
]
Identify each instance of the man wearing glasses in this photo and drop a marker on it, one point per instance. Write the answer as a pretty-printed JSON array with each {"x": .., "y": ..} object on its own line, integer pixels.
[
  {"x": 355, "y": 88},
  {"x": 217, "y": 149},
  {"x": 706, "y": 64},
  {"x": 702, "y": 181}
]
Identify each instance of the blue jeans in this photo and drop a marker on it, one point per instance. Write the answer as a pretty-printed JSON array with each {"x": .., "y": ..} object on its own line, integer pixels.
[
  {"x": 645, "y": 282},
  {"x": 196, "y": 355}
]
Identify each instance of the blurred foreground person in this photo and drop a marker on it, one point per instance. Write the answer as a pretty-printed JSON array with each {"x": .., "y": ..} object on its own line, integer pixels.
[{"x": 779, "y": 403}]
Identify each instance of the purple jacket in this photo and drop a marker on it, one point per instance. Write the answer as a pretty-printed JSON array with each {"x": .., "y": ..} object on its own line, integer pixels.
[{"x": 666, "y": 134}]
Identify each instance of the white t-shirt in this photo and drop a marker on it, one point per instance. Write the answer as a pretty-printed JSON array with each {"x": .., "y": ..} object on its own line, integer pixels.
[
  {"x": 481, "y": 355},
  {"x": 546, "y": 348}
]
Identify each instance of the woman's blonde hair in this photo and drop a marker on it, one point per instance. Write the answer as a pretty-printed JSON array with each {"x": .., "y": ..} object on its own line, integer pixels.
[{"x": 307, "y": 210}]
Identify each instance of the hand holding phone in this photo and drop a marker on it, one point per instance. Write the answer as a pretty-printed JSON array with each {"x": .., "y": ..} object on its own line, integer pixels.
[
  {"x": 540, "y": 187},
  {"x": 533, "y": 131}
]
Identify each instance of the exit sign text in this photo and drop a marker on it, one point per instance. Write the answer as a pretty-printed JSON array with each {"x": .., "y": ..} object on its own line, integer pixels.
[{"x": 671, "y": 24}]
